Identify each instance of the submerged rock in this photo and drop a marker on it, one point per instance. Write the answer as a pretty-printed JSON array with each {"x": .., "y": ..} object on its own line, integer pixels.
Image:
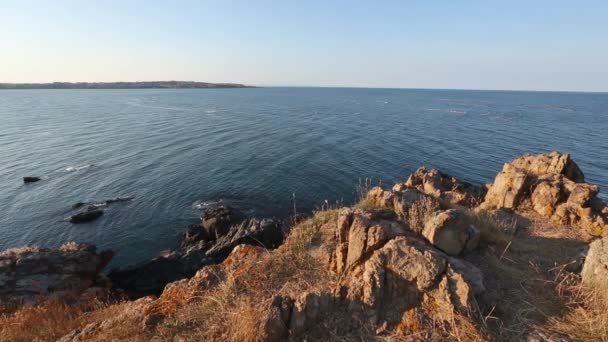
[
  {"x": 102, "y": 203},
  {"x": 91, "y": 213},
  {"x": 217, "y": 221}
]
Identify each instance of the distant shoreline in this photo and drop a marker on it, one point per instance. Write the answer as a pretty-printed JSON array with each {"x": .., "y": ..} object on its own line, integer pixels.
[{"x": 122, "y": 85}]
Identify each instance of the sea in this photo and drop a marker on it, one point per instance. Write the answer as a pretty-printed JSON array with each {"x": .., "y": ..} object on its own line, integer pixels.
[{"x": 266, "y": 151}]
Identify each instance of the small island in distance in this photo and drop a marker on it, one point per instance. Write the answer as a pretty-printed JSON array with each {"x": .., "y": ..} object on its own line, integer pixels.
[{"x": 122, "y": 85}]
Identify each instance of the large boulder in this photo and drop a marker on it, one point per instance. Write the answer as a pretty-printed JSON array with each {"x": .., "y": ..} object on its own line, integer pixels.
[
  {"x": 595, "y": 269},
  {"x": 445, "y": 187},
  {"x": 553, "y": 186},
  {"x": 30, "y": 271},
  {"x": 452, "y": 232},
  {"x": 547, "y": 163},
  {"x": 385, "y": 270}
]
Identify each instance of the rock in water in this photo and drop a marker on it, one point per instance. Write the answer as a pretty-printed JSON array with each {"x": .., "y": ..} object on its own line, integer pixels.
[
  {"x": 217, "y": 221},
  {"x": 87, "y": 215},
  {"x": 31, "y": 271},
  {"x": 31, "y": 179},
  {"x": 198, "y": 249},
  {"x": 266, "y": 233}
]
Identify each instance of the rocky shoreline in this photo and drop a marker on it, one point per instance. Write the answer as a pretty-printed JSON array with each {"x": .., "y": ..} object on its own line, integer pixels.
[{"x": 386, "y": 261}]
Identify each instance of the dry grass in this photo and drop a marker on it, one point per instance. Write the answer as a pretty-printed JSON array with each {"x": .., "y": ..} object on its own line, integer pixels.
[
  {"x": 229, "y": 311},
  {"x": 232, "y": 310},
  {"x": 47, "y": 320},
  {"x": 366, "y": 203},
  {"x": 492, "y": 230},
  {"x": 528, "y": 285},
  {"x": 525, "y": 276},
  {"x": 587, "y": 317}
]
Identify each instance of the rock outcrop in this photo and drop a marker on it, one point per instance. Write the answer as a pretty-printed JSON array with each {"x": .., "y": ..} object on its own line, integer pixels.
[
  {"x": 217, "y": 221},
  {"x": 553, "y": 186},
  {"x": 452, "y": 232},
  {"x": 595, "y": 267},
  {"x": 404, "y": 202},
  {"x": 31, "y": 271},
  {"x": 445, "y": 187},
  {"x": 385, "y": 271},
  {"x": 209, "y": 243}
]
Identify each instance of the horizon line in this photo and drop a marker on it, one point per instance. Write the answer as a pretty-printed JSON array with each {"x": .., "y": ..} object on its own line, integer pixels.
[{"x": 302, "y": 86}]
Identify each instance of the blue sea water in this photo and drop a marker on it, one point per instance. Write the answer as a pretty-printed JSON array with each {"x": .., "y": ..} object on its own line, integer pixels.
[{"x": 177, "y": 150}]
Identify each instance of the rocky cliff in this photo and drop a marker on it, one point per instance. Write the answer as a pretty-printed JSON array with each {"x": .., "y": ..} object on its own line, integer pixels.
[{"x": 433, "y": 258}]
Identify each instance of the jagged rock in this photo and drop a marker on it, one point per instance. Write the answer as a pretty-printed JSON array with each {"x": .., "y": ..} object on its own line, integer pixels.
[
  {"x": 552, "y": 162},
  {"x": 151, "y": 277},
  {"x": 193, "y": 234},
  {"x": 380, "y": 198},
  {"x": 595, "y": 267},
  {"x": 359, "y": 233},
  {"x": 445, "y": 187},
  {"x": 266, "y": 233},
  {"x": 217, "y": 221},
  {"x": 31, "y": 179},
  {"x": 410, "y": 202},
  {"x": 181, "y": 292},
  {"x": 274, "y": 327},
  {"x": 91, "y": 213},
  {"x": 399, "y": 274},
  {"x": 29, "y": 271},
  {"x": 307, "y": 310},
  {"x": 386, "y": 269},
  {"x": 402, "y": 202},
  {"x": 452, "y": 232},
  {"x": 507, "y": 190},
  {"x": 553, "y": 186}
]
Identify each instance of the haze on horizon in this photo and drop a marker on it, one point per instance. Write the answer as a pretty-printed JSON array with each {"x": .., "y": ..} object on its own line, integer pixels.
[{"x": 515, "y": 45}]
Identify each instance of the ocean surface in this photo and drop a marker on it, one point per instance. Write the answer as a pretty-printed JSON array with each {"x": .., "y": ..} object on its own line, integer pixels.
[{"x": 177, "y": 151}]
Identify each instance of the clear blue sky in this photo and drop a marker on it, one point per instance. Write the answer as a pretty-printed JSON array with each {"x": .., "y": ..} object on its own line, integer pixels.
[{"x": 539, "y": 45}]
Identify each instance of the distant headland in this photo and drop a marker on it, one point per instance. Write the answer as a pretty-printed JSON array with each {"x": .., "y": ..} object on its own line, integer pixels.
[{"x": 122, "y": 85}]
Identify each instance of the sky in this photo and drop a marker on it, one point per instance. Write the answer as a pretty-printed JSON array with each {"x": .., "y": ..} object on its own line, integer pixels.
[{"x": 510, "y": 45}]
